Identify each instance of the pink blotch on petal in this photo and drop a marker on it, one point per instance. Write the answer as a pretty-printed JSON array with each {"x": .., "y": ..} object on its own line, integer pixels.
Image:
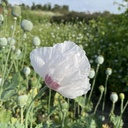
[{"x": 51, "y": 83}]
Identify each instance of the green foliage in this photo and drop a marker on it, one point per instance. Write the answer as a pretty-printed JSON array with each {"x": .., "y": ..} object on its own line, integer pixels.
[
  {"x": 5, "y": 116},
  {"x": 10, "y": 87},
  {"x": 116, "y": 120}
]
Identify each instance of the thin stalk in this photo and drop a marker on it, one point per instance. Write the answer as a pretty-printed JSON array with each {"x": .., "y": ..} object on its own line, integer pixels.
[
  {"x": 101, "y": 94},
  {"x": 49, "y": 102},
  {"x": 105, "y": 92},
  {"x": 63, "y": 120},
  {"x": 21, "y": 113},
  {"x": 113, "y": 108},
  {"x": 93, "y": 83},
  {"x": 121, "y": 113},
  {"x": 7, "y": 59},
  {"x": 30, "y": 105},
  {"x": 125, "y": 106}
]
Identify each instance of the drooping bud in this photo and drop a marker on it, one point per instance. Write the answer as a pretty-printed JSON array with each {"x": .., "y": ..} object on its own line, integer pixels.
[{"x": 100, "y": 59}]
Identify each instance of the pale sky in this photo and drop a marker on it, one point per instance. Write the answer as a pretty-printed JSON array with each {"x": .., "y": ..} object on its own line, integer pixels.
[{"x": 78, "y": 5}]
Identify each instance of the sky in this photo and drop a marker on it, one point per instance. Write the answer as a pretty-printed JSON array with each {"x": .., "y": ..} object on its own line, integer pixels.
[{"x": 78, "y": 5}]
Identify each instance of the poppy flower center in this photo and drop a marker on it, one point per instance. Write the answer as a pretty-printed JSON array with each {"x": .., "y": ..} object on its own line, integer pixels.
[{"x": 51, "y": 83}]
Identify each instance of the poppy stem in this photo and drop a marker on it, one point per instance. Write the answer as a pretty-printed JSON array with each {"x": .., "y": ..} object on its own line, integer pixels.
[{"x": 30, "y": 105}]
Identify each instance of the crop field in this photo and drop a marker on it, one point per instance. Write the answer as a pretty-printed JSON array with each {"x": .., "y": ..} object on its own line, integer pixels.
[{"x": 32, "y": 48}]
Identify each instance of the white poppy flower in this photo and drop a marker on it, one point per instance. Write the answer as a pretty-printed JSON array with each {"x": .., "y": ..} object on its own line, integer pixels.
[{"x": 64, "y": 68}]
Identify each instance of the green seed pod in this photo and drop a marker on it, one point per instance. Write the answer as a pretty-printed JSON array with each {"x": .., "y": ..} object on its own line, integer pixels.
[
  {"x": 1, "y": 18},
  {"x": 26, "y": 71},
  {"x": 17, "y": 52},
  {"x": 3, "y": 4},
  {"x": 101, "y": 88},
  {"x": 16, "y": 11},
  {"x": 92, "y": 73},
  {"x": 26, "y": 25},
  {"x": 100, "y": 59},
  {"x": 108, "y": 71},
  {"x": 3, "y": 42},
  {"x": 22, "y": 100},
  {"x": 114, "y": 97},
  {"x": 36, "y": 41},
  {"x": 122, "y": 96},
  {"x": 11, "y": 41}
]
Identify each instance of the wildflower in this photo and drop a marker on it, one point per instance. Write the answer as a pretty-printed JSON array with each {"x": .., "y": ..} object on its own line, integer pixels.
[
  {"x": 108, "y": 71},
  {"x": 64, "y": 67},
  {"x": 36, "y": 41},
  {"x": 22, "y": 100},
  {"x": 92, "y": 73},
  {"x": 26, "y": 25},
  {"x": 26, "y": 71},
  {"x": 100, "y": 59},
  {"x": 16, "y": 11},
  {"x": 3, "y": 42},
  {"x": 114, "y": 97}
]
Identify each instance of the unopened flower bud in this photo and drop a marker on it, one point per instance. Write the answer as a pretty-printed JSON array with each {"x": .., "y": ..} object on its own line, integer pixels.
[
  {"x": 26, "y": 25},
  {"x": 16, "y": 11},
  {"x": 108, "y": 71},
  {"x": 114, "y": 97},
  {"x": 22, "y": 100},
  {"x": 36, "y": 41},
  {"x": 92, "y": 73},
  {"x": 26, "y": 71},
  {"x": 3, "y": 42},
  {"x": 100, "y": 59},
  {"x": 122, "y": 96},
  {"x": 101, "y": 88}
]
